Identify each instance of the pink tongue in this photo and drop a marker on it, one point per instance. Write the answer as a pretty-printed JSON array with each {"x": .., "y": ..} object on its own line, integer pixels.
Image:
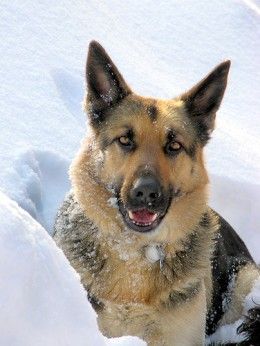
[{"x": 143, "y": 216}]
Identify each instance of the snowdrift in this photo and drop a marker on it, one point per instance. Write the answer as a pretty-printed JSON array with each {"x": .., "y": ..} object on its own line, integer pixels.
[{"x": 41, "y": 298}]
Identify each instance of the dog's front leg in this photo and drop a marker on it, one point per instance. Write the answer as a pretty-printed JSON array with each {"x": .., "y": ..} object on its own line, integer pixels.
[{"x": 183, "y": 325}]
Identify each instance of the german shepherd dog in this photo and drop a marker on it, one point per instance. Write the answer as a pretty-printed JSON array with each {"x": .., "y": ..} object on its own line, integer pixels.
[{"x": 157, "y": 262}]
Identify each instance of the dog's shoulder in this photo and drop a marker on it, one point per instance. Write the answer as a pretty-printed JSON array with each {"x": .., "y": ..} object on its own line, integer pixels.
[
  {"x": 229, "y": 242},
  {"x": 70, "y": 219},
  {"x": 77, "y": 236}
]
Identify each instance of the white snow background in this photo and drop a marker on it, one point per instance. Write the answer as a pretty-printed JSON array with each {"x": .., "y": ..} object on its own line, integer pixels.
[{"x": 161, "y": 48}]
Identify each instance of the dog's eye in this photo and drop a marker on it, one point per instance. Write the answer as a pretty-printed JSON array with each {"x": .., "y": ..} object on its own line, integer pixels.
[
  {"x": 125, "y": 142},
  {"x": 172, "y": 148}
]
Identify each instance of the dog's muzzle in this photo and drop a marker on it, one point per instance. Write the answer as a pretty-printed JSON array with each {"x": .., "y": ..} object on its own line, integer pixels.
[{"x": 146, "y": 205}]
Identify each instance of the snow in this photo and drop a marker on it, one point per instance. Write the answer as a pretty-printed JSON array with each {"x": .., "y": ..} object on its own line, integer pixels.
[
  {"x": 154, "y": 253},
  {"x": 41, "y": 297},
  {"x": 34, "y": 276},
  {"x": 227, "y": 333},
  {"x": 161, "y": 51}
]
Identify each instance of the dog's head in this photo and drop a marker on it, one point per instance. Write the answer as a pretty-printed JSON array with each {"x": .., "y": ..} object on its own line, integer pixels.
[{"x": 152, "y": 150}]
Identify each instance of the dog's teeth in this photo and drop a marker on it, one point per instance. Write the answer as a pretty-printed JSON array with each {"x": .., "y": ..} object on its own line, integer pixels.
[
  {"x": 154, "y": 217},
  {"x": 130, "y": 214},
  {"x": 141, "y": 224}
]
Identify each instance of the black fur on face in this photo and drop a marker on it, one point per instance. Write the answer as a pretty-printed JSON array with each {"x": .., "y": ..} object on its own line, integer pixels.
[{"x": 204, "y": 99}]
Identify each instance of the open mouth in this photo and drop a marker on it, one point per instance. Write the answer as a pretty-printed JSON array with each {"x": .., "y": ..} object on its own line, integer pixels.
[
  {"x": 141, "y": 220},
  {"x": 142, "y": 217}
]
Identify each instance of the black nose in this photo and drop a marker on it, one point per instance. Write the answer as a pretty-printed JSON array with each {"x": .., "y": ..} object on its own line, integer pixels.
[{"x": 146, "y": 190}]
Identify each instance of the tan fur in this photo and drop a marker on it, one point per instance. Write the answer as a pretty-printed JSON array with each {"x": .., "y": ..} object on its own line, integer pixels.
[
  {"x": 163, "y": 301},
  {"x": 115, "y": 164},
  {"x": 91, "y": 173},
  {"x": 158, "y": 327},
  {"x": 242, "y": 287}
]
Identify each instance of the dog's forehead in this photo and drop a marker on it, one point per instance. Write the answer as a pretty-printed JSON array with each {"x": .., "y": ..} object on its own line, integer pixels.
[
  {"x": 171, "y": 112},
  {"x": 152, "y": 114}
]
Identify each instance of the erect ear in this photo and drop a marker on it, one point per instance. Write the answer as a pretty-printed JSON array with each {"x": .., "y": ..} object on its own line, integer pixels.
[
  {"x": 106, "y": 86},
  {"x": 203, "y": 100}
]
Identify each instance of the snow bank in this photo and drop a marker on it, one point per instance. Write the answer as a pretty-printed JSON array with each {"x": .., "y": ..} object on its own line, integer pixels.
[
  {"x": 41, "y": 299},
  {"x": 41, "y": 182}
]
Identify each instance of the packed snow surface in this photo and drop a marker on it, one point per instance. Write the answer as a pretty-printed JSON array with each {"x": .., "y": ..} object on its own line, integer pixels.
[{"x": 161, "y": 49}]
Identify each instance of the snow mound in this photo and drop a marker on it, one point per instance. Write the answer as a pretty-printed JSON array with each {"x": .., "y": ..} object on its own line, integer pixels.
[
  {"x": 41, "y": 299},
  {"x": 41, "y": 180},
  {"x": 40, "y": 292}
]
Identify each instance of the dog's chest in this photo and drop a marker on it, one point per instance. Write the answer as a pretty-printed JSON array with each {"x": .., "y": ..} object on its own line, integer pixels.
[{"x": 137, "y": 279}]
